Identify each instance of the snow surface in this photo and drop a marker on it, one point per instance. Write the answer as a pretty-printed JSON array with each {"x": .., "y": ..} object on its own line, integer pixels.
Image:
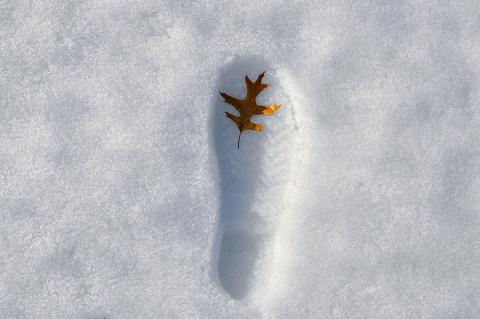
[{"x": 123, "y": 195}]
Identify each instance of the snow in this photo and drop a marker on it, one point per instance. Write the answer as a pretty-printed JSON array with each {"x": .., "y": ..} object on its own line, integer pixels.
[{"x": 123, "y": 195}]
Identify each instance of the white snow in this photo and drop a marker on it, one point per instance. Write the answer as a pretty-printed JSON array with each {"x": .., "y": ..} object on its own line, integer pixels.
[{"x": 123, "y": 195}]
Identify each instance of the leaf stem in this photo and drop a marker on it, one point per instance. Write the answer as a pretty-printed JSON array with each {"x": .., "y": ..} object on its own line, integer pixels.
[{"x": 238, "y": 143}]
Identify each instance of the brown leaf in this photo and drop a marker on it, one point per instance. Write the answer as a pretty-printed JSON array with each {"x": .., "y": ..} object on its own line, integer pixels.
[{"x": 248, "y": 106}]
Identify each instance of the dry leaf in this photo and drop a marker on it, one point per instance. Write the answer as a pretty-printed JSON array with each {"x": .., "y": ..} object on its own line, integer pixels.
[{"x": 248, "y": 106}]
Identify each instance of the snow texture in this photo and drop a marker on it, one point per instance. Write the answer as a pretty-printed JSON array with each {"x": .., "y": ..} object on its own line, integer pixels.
[{"x": 123, "y": 195}]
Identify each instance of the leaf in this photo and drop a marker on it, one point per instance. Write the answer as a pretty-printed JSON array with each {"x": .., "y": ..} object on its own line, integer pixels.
[{"x": 248, "y": 106}]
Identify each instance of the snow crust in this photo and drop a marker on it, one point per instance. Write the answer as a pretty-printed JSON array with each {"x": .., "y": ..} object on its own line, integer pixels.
[{"x": 123, "y": 195}]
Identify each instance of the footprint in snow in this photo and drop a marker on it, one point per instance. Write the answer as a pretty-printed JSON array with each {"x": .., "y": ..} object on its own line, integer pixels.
[{"x": 254, "y": 182}]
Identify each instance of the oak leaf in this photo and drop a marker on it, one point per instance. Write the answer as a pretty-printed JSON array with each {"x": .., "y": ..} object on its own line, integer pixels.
[{"x": 248, "y": 106}]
